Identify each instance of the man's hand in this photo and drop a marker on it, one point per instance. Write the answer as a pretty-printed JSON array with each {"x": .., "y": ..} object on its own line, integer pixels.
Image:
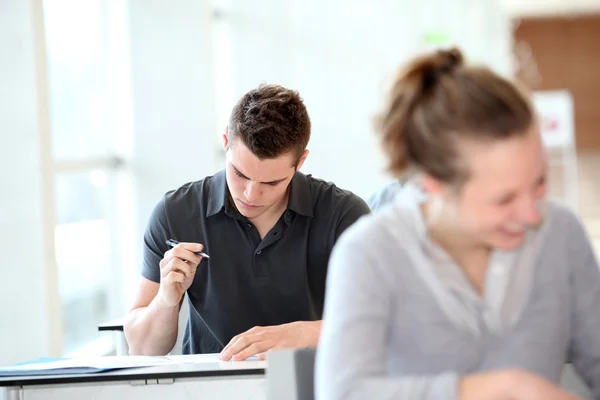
[
  {"x": 177, "y": 271},
  {"x": 258, "y": 340}
]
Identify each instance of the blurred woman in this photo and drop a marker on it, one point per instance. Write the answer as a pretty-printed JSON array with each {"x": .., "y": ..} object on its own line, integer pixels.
[{"x": 468, "y": 285}]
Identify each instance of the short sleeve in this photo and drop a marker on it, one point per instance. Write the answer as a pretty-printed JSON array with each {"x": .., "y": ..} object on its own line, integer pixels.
[
  {"x": 350, "y": 213},
  {"x": 155, "y": 237}
]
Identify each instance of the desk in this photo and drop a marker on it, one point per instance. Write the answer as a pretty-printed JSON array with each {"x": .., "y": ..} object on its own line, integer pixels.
[
  {"x": 206, "y": 378},
  {"x": 116, "y": 325}
]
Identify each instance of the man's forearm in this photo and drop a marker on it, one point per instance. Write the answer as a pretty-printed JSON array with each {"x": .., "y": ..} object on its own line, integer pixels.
[{"x": 152, "y": 330}]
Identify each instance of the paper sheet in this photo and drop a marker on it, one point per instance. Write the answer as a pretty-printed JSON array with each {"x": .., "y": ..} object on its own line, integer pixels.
[
  {"x": 83, "y": 365},
  {"x": 101, "y": 364}
]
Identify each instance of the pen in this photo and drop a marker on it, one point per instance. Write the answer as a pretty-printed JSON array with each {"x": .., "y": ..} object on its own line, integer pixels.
[{"x": 174, "y": 243}]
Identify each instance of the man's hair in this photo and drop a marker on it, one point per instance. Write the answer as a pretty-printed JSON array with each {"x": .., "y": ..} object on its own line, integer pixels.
[{"x": 270, "y": 120}]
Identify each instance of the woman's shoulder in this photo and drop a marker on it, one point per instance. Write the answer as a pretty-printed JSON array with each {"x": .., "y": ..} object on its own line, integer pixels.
[
  {"x": 395, "y": 227},
  {"x": 561, "y": 220}
]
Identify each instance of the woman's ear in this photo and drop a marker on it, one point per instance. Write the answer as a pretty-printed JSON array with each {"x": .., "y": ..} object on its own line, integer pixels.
[
  {"x": 437, "y": 206},
  {"x": 432, "y": 186}
]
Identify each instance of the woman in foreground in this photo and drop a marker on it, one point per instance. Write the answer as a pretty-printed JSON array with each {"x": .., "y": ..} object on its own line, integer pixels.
[{"x": 468, "y": 285}]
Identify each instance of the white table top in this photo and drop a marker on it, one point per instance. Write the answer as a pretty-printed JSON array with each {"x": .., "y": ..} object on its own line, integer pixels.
[{"x": 185, "y": 366}]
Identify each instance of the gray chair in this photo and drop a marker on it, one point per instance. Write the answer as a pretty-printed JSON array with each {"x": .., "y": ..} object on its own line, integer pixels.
[{"x": 290, "y": 374}]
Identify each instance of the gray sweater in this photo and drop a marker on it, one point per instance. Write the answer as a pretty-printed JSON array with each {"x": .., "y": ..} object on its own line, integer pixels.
[{"x": 402, "y": 322}]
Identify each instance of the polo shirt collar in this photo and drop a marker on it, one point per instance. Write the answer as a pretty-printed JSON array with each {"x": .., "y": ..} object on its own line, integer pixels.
[
  {"x": 300, "y": 200},
  {"x": 218, "y": 194}
]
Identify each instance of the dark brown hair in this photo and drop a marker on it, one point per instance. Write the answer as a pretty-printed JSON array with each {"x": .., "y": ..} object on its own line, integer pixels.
[
  {"x": 271, "y": 120},
  {"x": 436, "y": 100}
]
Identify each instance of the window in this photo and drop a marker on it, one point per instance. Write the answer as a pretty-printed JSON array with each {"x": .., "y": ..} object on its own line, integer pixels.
[{"x": 89, "y": 97}]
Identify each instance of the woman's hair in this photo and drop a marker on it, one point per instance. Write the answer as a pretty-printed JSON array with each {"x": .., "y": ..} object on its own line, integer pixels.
[{"x": 436, "y": 101}]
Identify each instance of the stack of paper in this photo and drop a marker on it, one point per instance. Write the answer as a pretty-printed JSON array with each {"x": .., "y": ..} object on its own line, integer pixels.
[{"x": 82, "y": 365}]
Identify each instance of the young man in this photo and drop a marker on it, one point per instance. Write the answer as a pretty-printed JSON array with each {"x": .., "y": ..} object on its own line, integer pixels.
[{"x": 268, "y": 229}]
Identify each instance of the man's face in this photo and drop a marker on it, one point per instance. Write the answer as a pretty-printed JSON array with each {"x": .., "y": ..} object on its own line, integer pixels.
[{"x": 257, "y": 186}]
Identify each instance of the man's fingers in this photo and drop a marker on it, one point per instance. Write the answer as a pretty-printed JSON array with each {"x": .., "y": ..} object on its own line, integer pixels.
[
  {"x": 179, "y": 266},
  {"x": 175, "y": 277},
  {"x": 253, "y": 349},
  {"x": 233, "y": 341},
  {"x": 186, "y": 254},
  {"x": 236, "y": 345},
  {"x": 190, "y": 246},
  {"x": 228, "y": 346},
  {"x": 182, "y": 254},
  {"x": 242, "y": 342},
  {"x": 183, "y": 249}
]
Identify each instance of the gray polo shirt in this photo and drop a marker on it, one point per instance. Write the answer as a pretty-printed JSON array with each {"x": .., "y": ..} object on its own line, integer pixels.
[
  {"x": 403, "y": 322},
  {"x": 247, "y": 281}
]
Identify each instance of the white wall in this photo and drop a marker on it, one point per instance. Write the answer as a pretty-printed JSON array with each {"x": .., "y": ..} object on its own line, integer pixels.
[
  {"x": 174, "y": 114},
  {"x": 339, "y": 54},
  {"x": 24, "y": 324}
]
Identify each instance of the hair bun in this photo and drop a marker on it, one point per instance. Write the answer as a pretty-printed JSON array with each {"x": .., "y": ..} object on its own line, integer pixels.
[
  {"x": 443, "y": 62},
  {"x": 448, "y": 60}
]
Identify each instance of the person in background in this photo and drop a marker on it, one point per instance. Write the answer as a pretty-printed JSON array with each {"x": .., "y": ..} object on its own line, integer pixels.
[
  {"x": 384, "y": 195},
  {"x": 268, "y": 229},
  {"x": 469, "y": 284}
]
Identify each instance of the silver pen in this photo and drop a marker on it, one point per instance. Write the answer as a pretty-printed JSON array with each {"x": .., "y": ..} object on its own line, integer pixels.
[{"x": 174, "y": 243}]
